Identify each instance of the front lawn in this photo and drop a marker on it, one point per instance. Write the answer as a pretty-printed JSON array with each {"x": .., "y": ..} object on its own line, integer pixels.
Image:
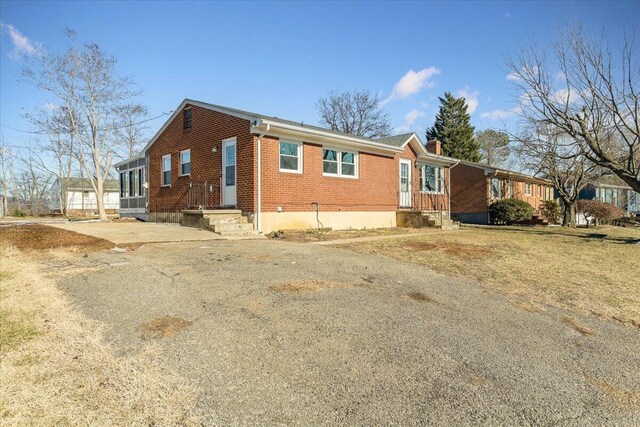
[{"x": 593, "y": 271}]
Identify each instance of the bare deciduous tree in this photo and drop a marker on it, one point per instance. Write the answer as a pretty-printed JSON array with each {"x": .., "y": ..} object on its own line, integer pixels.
[
  {"x": 132, "y": 128},
  {"x": 357, "y": 113},
  {"x": 84, "y": 82},
  {"x": 494, "y": 146},
  {"x": 32, "y": 184},
  {"x": 588, "y": 92},
  {"x": 56, "y": 124},
  {"x": 551, "y": 154},
  {"x": 6, "y": 174}
]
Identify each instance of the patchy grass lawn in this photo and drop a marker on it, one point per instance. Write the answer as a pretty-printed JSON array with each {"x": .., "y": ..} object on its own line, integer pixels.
[
  {"x": 313, "y": 235},
  {"x": 593, "y": 271},
  {"x": 56, "y": 368}
]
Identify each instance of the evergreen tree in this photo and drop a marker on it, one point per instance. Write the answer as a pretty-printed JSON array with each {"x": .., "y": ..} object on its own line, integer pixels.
[{"x": 453, "y": 129}]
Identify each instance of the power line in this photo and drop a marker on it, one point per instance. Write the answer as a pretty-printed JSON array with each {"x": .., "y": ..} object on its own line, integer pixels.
[{"x": 99, "y": 129}]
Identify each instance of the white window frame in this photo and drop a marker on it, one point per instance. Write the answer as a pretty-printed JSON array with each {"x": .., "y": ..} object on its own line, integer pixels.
[
  {"x": 339, "y": 153},
  {"x": 527, "y": 188},
  {"x": 180, "y": 171},
  {"x": 439, "y": 172},
  {"x": 300, "y": 156},
  {"x": 162, "y": 171}
]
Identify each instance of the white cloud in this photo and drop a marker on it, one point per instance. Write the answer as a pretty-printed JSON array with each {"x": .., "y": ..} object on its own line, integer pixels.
[
  {"x": 500, "y": 114},
  {"x": 409, "y": 119},
  {"x": 567, "y": 95},
  {"x": 470, "y": 97},
  {"x": 21, "y": 43},
  {"x": 513, "y": 77},
  {"x": 412, "y": 83}
]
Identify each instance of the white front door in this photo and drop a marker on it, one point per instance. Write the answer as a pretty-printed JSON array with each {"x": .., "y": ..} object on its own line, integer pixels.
[
  {"x": 405, "y": 183},
  {"x": 229, "y": 172}
]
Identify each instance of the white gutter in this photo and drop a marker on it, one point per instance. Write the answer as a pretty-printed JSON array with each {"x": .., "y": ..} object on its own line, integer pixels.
[
  {"x": 259, "y": 195},
  {"x": 353, "y": 140}
]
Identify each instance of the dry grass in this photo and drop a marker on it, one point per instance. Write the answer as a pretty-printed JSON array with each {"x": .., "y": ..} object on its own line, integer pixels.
[
  {"x": 305, "y": 286},
  {"x": 43, "y": 237},
  {"x": 306, "y": 236},
  {"x": 58, "y": 370},
  {"x": 163, "y": 327},
  {"x": 535, "y": 266},
  {"x": 575, "y": 325}
]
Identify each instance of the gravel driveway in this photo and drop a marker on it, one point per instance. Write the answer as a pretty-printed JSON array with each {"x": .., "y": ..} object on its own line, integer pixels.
[{"x": 294, "y": 334}]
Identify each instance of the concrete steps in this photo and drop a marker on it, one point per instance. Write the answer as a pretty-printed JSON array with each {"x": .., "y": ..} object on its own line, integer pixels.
[{"x": 228, "y": 227}]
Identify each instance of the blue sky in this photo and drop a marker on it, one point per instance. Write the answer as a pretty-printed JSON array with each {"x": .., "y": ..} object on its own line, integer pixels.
[{"x": 279, "y": 58}]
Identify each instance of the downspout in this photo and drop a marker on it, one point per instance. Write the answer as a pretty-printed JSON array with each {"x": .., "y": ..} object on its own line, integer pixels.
[
  {"x": 449, "y": 192},
  {"x": 259, "y": 195}
]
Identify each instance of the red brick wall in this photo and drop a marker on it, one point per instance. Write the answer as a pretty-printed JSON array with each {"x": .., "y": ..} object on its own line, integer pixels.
[
  {"x": 469, "y": 190},
  {"x": 375, "y": 189},
  {"x": 208, "y": 129}
]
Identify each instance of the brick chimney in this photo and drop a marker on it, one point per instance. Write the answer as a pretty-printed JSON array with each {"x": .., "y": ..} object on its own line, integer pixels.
[{"x": 433, "y": 146}]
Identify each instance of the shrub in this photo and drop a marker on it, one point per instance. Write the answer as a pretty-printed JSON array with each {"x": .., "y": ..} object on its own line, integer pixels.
[
  {"x": 19, "y": 213},
  {"x": 600, "y": 211},
  {"x": 550, "y": 209},
  {"x": 509, "y": 211}
]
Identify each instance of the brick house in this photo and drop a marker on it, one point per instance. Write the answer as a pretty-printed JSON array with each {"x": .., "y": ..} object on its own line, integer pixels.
[
  {"x": 474, "y": 186},
  {"x": 281, "y": 174}
]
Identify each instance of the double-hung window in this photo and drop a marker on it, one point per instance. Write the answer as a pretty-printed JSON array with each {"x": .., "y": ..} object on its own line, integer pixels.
[
  {"x": 166, "y": 170},
  {"x": 339, "y": 163},
  {"x": 290, "y": 156},
  {"x": 431, "y": 179},
  {"x": 527, "y": 188},
  {"x": 185, "y": 162}
]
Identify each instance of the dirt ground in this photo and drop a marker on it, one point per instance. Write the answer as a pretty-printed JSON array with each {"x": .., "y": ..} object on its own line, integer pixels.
[
  {"x": 43, "y": 237},
  {"x": 306, "y": 236},
  {"x": 271, "y": 332}
]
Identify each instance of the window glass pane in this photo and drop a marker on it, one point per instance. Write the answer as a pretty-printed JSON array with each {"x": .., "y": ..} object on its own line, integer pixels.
[
  {"x": 429, "y": 178},
  {"x": 349, "y": 170},
  {"x": 230, "y": 175},
  {"x": 288, "y": 149},
  {"x": 330, "y": 155},
  {"x": 404, "y": 177},
  {"x": 166, "y": 177},
  {"x": 440, "y": 181},
  {"x": 140, "y": 181},
  {"x": 131, "y": 184},
  {"x": 495, "y": 188},
  {"x": 230, "y": 154},
  {"x": 166, "y": 163},
  {"x": 289, "y": 163},
  {"x": 185, "y": 169},
  {"x": 185, "y": 156},
  {"x": 122, "y": 184},
  {"x": 330, "y": 167},
  {"x": 347, "y": 158}
]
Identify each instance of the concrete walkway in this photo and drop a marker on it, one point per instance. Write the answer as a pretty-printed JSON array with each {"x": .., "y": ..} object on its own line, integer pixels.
[{"x": 141, "y": 232}]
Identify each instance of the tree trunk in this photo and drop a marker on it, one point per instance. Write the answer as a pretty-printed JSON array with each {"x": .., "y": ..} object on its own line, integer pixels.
[
  {"x": 102, "y": 212},
  {"x": 569, "y": 213}
]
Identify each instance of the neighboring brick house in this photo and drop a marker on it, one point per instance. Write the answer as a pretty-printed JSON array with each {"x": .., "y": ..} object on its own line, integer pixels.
[
  {"x": 475, "y": 186},
  {"x": 283, "y": 174}
]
